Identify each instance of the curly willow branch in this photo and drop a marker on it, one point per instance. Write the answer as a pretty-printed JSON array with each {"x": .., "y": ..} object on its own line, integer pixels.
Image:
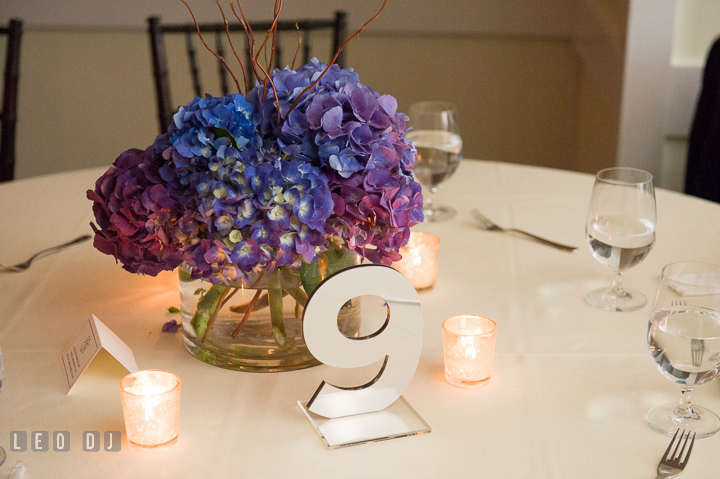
[
  {"x": 255, "y": 55},
  {"x": 297, "y": 28},
  {"x": 227, "y": 32},
  {"x": 272, "y": 32},
  {"x": 292, "y": 107},
  {"x": 237, "y": 84},
  {"x": 249, "y": 35}
]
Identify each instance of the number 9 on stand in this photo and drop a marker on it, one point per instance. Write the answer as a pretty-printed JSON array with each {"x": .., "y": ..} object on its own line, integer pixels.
[{"x": 376, "y": 407}]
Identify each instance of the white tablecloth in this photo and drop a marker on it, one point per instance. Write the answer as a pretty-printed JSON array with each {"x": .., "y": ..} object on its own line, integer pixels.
[{"x": 569, "y": 390}]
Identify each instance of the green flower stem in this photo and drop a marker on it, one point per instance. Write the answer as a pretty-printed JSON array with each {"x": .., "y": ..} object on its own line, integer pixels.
[
  {"x": 184, "y": 275},
  {"x": 300, "y": 300},
  {"x": 298, "y": 294},
  {"x": 310, "y": 276},
  {"x": 340, "y": 258},
  {"x": 275, "y": 298},
  {"x": 206, "y": 308},
  {"x": 213, "y": 316}
]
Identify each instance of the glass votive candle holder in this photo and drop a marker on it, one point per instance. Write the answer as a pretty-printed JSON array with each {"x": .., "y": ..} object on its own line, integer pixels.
[
  {"x": 469, "y": 348},
  {"x": 419, "y": 261},
  {"x": 151, "y": 408}
]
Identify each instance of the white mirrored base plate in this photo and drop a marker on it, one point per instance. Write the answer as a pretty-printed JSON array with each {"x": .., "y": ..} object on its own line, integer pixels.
[{"x": 397, "y": 420}]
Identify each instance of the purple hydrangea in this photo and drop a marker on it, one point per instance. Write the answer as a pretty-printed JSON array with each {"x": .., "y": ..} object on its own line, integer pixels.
[
  {"x": 356, "y": 138},
  {"x": 137, "y": 214}
]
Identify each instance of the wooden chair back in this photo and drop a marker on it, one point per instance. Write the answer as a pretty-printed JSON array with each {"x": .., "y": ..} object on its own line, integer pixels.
[
  {"x": 8, "y": 117},
  {"x": 157, "y": 30}
]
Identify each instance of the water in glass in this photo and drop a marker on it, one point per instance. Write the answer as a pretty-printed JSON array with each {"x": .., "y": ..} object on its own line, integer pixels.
[
  {"x": 684, "y": 341},
  {"x": 438, "y": 155},
  {"x": 673, "y": 338},
  {"x": 620, "y": 242},
  {"x": 620, "y": 231},
  {"x": 435, "y": 134}
]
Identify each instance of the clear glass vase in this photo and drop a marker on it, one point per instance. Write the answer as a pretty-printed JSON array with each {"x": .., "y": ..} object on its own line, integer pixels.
[{"x": 258, "y": 326}]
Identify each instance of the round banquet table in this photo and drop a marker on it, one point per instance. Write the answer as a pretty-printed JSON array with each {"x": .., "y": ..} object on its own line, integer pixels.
[{"x": 567, "y": 398}]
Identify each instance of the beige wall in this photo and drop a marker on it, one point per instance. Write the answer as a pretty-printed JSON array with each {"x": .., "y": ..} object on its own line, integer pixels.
[
  {"x": 600, "y": 44},
  {"x": 87, "y": 95},
  {"x": 517, "y": 97},
  {"x": 697, "y": 25}
]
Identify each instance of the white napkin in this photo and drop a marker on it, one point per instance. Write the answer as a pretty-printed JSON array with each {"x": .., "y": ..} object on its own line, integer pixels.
[{"x": 696, "y": 284}]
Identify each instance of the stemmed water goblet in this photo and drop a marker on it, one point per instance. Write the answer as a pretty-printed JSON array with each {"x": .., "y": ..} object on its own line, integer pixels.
[
  {"x": 620, "y": 231},
  {"x": 684, "y": 340},
  {"x": 436, "y": 135}
]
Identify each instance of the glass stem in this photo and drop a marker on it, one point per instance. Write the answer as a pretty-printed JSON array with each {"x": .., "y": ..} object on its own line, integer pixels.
[
  {"x": 431, "y": 200},
  {"x": 617, "y": 285},
  {"x": 684, "y": 408}
]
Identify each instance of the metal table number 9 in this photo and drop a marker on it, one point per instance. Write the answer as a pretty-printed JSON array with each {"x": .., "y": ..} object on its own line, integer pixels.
[{"x": 398, "y": 341}]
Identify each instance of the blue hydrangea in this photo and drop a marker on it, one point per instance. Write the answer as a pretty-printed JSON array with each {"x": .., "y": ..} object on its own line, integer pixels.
[{"x": 244, "y": 209}]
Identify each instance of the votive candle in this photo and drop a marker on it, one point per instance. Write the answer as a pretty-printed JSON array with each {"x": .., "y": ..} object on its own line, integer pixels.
[
  {"x": 419, "y": 261},
  {"x": 151, "y": 408},
  {"x": 469, "y": 348}
]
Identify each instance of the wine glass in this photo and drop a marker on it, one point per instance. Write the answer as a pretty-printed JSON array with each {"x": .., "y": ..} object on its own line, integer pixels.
[
  {"x": 620, "y": 231},
  {"x": 684, "y": 341},
  {"x": 436, "y": 136}
]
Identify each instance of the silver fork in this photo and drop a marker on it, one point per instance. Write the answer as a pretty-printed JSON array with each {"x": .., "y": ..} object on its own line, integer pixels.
[
  {"x": 26, "y": 264},
  {"x": 697, "y": 346},
  {"x": 672, "y": 465},
  {"x": 485, "y": 223}
]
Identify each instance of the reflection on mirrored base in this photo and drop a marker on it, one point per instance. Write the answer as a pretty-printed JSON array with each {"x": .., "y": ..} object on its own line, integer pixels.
[{"x": 397, "y": 420}]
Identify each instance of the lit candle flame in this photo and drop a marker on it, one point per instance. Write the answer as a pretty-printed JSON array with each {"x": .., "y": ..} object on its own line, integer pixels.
[{"x": 470, "y": 353}]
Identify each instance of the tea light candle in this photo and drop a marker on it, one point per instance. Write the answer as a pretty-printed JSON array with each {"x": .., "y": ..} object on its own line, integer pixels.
[
  {"x": 151, "y": 408},
  {"x": 419, "y": 261},
  {"x": 469, "y": 348}
]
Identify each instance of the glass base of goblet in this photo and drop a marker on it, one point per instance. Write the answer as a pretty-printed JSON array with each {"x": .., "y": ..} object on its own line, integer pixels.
[
  {"x": 610, "y": 299},
  {"x": 663, "y": 418},
  {"x": 441, "y": 213}
]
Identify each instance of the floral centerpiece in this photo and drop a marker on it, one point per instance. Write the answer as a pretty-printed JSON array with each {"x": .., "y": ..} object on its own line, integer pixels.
[{"x": 268, "y": 191}]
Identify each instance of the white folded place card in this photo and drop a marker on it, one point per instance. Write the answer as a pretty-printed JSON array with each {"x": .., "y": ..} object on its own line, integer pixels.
[{"x": 95, "y": 343}]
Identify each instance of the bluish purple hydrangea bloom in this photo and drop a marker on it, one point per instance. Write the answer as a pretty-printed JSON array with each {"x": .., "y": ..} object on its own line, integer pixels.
[
  {"x": 242, "y": 210},
  {"x": 357, "y": 140},
  {"x": 230, "y": 191}
]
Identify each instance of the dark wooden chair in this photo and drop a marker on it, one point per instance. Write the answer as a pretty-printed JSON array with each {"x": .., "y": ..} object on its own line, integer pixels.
[
  {"x": 9, "y": 107},
  {"x": 702, "y": 177},
  {"x": 166, "y": 108}
]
